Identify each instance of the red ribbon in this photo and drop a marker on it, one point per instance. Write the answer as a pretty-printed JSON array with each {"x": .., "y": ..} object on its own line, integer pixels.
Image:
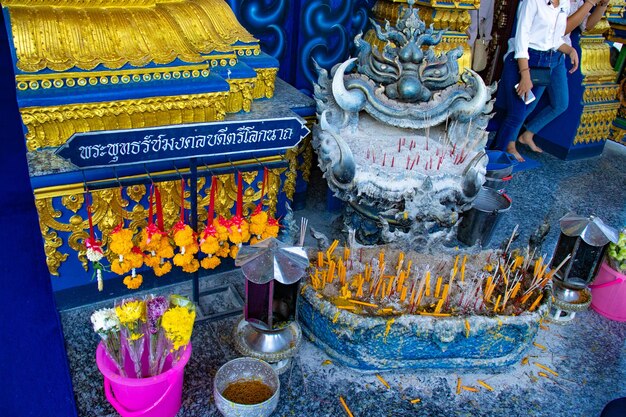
[
  {"x": 239, "y": 195},
  {"x": 159, "y": 209},
  {"x": 91, "y": 242},
  {"x": 210, "y": 230},
  {"x": 182, "y": 200},
  {"x": 259, "y": 206}
]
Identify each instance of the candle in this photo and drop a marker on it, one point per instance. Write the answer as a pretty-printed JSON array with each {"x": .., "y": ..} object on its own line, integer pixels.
[
  {"x": 320, "y": 259},
  {"x": 346, "y": 253},
  {"x": 363, "y": 303},
  {"x": 545, "y": 368},
  {"x": 536, "y": 303},
  {"x": 484, "y": 384},
  {"x": 458, "y": 385},
  {"x": 331, "y": 249},
  {"x": 495, "y": 307},
  {"x": 384, "y": 290},
  {"x": 427, "y": 278},
  {"x": 346, "y": 308},
  {"x": 381, "y": 257},
  {"x": 345, "y": 406},
  {"x": 403, "y": 294},
  {"x": 463, "y": 268},
  {"x": 515, "y": 290},
  {"x": 439, "y": 306},
  {"x": 382, "y": 380},
  {"x": 444, "y": 293},
  {"x": 331, "y": 271},
  {"x": 467, "y": 328},
  {"x": 471, "y": 389},
  {"x": 438, "y": 287}
]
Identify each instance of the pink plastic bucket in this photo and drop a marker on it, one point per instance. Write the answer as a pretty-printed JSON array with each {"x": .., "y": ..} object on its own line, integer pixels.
[
  {"x": 608, "y": 293},
  {"x": 157, "y": 396}
]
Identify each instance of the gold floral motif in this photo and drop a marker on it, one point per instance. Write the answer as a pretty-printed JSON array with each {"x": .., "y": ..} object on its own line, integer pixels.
[
  {"x": 274, "y": 189},
  {"x": 136, "y": 192},
  {"x": 135, "y": 33},
  {"x": 454, "y": 17},
  {"x": 73, "y": 202},
  {"x": 289, "y": 188},
  {"x": 240, "y": 97},
  {"x": 51, "y": 243},
  {"x": 53, "y": 126},
  {"x": 595, "y": 60},
  {"x": 307, "y": 158},
  {"x": 595, "y": 123},
  {"x": 264, "y": 87},
  {"x": 76, "y": 241}
]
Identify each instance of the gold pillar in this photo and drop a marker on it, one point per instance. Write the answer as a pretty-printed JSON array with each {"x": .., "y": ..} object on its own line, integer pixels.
[
  {"x": 452, "y": 17},
  {"x": 600, "y": 102}
]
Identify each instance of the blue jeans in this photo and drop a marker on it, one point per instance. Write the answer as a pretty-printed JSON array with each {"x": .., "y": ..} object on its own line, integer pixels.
[{"x": 516, "y": 110}]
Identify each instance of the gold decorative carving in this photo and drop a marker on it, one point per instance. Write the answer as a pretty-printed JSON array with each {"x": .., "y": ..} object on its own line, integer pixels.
[
  {"x": 73, "y": 202},
  {"x": 274, "y": 189},
  {"x": 600, "y": 93},
  {"x": 90, "y": 79},
  {"x": 51, "y": 244},
  {"x": 307, "y": 158},
  {"x": 264, "y": 87},
  {"x": 292, "y": 173},
  {"x": 240, "y": 97},
  {"x": 595, "y": 123},
  {"x": 595, "y": 60},
  {"x": 117, "y": 33},
  {"x": 54, "y": 125}
]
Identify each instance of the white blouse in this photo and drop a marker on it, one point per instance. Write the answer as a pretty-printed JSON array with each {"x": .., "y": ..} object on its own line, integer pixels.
[
  {"x": 540, "y": 26},
  {"x": 574, "y": 6}
]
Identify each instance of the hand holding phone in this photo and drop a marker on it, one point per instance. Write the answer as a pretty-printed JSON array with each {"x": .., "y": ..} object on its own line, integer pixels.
[{"x": 530, "y": 97}]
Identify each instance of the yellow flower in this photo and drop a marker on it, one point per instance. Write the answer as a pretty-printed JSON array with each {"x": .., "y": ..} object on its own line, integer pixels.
[
  {"x": 184, "y": 237},
  {"x": 221, "y": 229},
  {"x": 224, "y": 250},
  {"x": 270, "y": 231},
  {"x": 182, "y": 260},
  {"x": 210, "y": 245},
  {"x": 135, "y": 259},
  {"x": 154, "y": 243},
  {"x": 258, "y": 222},
  {"x": 165, "y": 248},
  {"x": 211, "y": 262},
  {"x": 178, "y": 325},
  {"x": 121, "y": 241},
  {"x": 131, "y": 311},
  {"x": 192, "y": 266},
  {"x": 233, "y": 251},
  {"x": 161, "y": 270},
  {"x": 132, "y": 283},
  {"x": 152, "y": 261},
  {"x": 239, "y": 234},
  {"x": 136, "y": 336},
  {"x": 121, "y": 267}
]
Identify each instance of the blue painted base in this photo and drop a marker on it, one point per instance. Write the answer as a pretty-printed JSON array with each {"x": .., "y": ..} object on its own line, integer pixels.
[
  {"x": 416, "y": 342},
  {"x": 571, "y": 153}
]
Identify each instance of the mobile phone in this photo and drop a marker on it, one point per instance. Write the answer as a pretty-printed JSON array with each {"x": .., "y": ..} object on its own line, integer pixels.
[{"x": 530, "y": 97}]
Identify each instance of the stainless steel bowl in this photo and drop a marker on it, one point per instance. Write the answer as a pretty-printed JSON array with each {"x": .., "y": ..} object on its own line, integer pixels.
[{"x": 245, "y": 369}]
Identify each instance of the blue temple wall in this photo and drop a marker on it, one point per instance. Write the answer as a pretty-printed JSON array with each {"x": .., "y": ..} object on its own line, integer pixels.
[{"x": 296, "y": 32}]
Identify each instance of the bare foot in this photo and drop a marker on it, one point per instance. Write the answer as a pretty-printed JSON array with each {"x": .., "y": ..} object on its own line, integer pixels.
[
  {"x": 526, "y": 138},
  {"x": 513, "y": 151}
]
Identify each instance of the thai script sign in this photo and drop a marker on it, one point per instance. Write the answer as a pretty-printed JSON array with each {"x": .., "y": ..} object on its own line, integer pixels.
[{"x": 120, "y": 147}]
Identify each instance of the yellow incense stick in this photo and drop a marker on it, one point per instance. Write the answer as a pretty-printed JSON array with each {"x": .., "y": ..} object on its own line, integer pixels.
[
  {"x": 463, "y": 268},
  {"x": 382, "y": 380},
  {"x": 485, "y": 385},
  {"x": 467, "y": 328},
  {"x": 345, "y": 407},
  {"x": 427, "y": 279},
  {"x": 403, "y": 294},
  {"x": 438, "y": 287},
  {"x": 545, "y": 368},
  {"x": 363, "y": 303},
  {"x": 536, "y": 303},
  {"x": 471, "y": 389},
  {"x": 495, "y": 307},
  {"x": 346, "y": 307},
  {"x": 415, "y": 401}
]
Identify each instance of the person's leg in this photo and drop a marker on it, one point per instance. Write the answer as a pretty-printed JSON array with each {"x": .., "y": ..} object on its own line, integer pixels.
[
  {"x": 559, "y": 100},
  {"x": 516, "y": 110}
]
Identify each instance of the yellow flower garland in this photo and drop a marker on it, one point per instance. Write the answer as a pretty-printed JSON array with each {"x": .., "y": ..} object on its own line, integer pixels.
[{"x": 178, "y": 325}]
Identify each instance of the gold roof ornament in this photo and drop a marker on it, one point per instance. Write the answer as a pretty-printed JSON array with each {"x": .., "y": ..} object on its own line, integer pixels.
[{"x": 63, "y": 34}]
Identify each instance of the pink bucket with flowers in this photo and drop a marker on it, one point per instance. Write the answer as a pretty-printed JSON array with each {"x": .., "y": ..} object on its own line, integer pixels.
[
  {"x": 142, "y": 356},
  {"x": 155, "y": 396}
]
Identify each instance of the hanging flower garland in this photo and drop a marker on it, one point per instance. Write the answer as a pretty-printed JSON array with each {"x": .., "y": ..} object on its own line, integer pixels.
[
  {"x": 262, "y": 225},
  {"x": 154, "y": 242},
  {"x": 185, "y": 239},
  {"x": 94, "y": 248},
  {"x": 239, "y": 230},
  {"x": 129, "y": 257},
  {"x": 209, "y": 240}
]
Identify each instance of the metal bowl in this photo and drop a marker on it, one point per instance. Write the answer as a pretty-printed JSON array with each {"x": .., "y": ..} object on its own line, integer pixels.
[{"x": 246, "y": 369}]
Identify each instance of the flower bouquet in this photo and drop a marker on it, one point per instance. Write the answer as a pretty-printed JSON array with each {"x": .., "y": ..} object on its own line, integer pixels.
[
  {"x": 156, "y": 327},
  {"x": 616, "y": 254}
]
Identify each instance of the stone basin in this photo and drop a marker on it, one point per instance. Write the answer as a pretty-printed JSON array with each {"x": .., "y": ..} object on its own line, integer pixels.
[{"x": 415, "y": 341}]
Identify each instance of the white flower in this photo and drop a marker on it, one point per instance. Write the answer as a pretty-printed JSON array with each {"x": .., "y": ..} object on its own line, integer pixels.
[
  {"x": 94, "y": 255},
  {"x": 104, "y": 321}
]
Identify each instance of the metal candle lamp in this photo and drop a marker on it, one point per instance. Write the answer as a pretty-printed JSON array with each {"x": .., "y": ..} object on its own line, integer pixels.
[
  {"x": 268, "y": 329},
  {"x": 577, "y": 257}
]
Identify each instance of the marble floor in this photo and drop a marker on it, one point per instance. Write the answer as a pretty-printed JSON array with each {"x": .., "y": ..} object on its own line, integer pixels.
[{"x": 589, "y": 354}]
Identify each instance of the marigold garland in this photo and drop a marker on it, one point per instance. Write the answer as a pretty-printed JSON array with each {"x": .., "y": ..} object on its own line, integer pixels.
[{"x": 133, "y": 282}]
